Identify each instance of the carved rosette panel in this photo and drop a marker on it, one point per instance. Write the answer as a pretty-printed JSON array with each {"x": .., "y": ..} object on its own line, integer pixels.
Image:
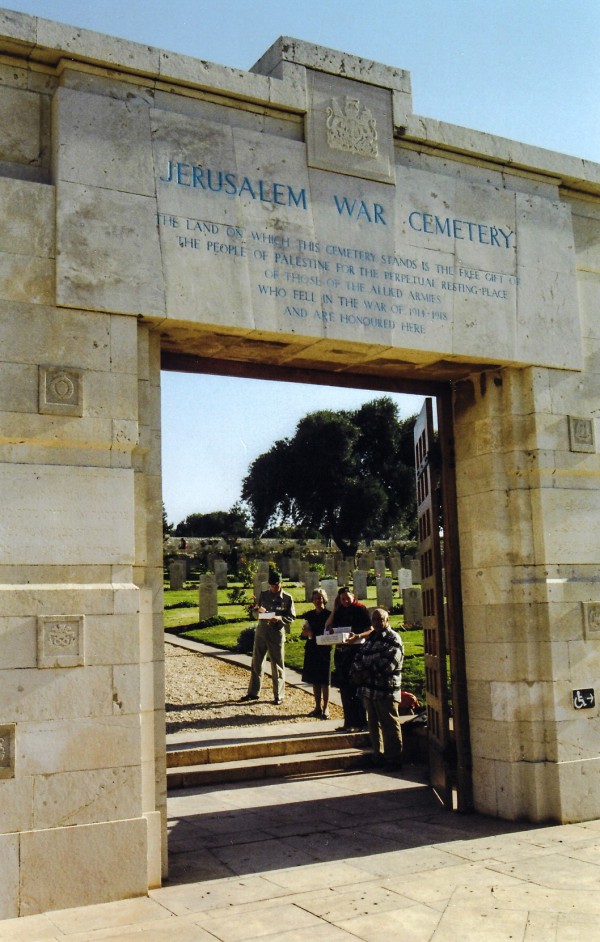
[
  {"x": 591, "y": 620},
  {"x": 581, "y": 434},
  {"x": 60, "y": 391},
  {"x": 60, "y": 641},
  {"x": 7, "y": 751}
]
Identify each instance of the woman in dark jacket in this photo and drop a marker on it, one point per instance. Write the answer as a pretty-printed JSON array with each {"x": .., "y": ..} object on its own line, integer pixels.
[
  {"x": 317, "y": 657},
  {"x": 351, "y": 616}
]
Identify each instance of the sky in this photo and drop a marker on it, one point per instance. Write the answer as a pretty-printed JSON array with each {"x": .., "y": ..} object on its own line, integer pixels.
[{"x": 528, "y": 70}]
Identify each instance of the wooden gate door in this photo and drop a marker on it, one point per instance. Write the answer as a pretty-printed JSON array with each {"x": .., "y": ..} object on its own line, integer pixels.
[{"x": 434, "y": 630}]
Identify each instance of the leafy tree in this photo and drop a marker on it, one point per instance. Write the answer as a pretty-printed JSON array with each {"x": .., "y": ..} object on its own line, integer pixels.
[
  {"x": 347, "y": 474},
  {"x": 223, "y": 523},
  {"x": 167, "y": 527}
]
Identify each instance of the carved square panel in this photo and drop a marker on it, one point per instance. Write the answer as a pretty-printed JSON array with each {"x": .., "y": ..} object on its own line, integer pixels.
[
  {"x": 60, "y": 391},
  {"x": 60, "y": 641},
  {"x": 349, "y": 128},
  {"x": 582, "y": 434},
  {"x": 591, "y": 620},
  {"x": 7, "y": 751}
]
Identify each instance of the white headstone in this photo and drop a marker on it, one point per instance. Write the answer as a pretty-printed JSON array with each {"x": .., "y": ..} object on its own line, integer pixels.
[
  {"x": 413, "y": 606},
  {"x": 343, "y": 572},
  {"x": 259, "y": 584},
  {"x": 294, "y": 569},
  {"x": 311, "y": 582},
  {"x": 359, "y": 583},
  {"x": 303, "y": 567},
  {"x": 284, "y": 565},
  {"x": 379, "y": 566},
  {"x": 404, "y": 579},
  {"x": 220, "y": 567},
  {"x": 385, "y": 592},
  {"x": 330, "y": 587},
  {"x": 177, "y": 573},
  {"x": 330, "y": 566},
  {"x": 207, "y": 595}
]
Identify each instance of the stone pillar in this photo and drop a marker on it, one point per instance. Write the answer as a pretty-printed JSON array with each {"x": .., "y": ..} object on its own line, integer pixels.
[
  {"x": 81, "y": 520},
  {"x": 207, "y": 594},
  {"x": 530, "y": 589}
]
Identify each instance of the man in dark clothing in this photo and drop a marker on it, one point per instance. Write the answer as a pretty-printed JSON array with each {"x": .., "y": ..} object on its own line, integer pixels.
[
  {"x": 379, "y": 663},
  {"x": 275, "y": 611}
]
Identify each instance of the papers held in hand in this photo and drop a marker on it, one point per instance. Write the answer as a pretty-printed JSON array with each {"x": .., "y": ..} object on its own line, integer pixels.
[
  {"x": 334, "y": 637},
  {"x": 266, "y": 616}
]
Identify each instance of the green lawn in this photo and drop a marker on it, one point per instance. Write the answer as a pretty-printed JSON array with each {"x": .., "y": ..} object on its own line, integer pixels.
[{"x": 226, "y": 636}]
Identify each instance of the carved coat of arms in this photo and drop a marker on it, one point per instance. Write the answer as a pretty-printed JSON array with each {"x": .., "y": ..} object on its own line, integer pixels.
[{"x": 352, "y": 129}]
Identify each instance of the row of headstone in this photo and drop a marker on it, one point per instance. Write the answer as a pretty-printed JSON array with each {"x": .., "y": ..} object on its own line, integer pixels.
[
  {"x": 299, "y": 571},
  {"x": 411, "y": 595}
]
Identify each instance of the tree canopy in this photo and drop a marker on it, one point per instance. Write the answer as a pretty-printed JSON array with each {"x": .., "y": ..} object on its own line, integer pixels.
[
  {"x": 347, "y": 474},
  {"x": 223, "y": 523}
]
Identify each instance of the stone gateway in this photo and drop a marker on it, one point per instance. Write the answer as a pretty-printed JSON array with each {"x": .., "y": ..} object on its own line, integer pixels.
[{"x": 296, "y": 222}]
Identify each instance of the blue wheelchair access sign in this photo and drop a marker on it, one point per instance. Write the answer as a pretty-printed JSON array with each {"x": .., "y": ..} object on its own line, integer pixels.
[{"x": 584, "y": 699}]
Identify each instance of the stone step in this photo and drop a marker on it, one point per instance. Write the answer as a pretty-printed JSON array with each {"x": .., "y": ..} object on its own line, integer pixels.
[
  {"x": 271, "y": 766},
  {"x": 208, "y": 754}
]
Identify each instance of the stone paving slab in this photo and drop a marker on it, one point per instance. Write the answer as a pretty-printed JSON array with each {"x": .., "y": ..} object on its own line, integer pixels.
[{"x": 351, "y": 856}]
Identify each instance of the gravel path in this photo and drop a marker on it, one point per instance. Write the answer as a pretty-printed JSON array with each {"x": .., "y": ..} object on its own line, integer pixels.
[{"x": 203, "y": 692}]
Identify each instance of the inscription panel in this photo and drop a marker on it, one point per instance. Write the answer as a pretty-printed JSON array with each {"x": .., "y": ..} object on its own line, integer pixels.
[{"x": 252, "y": 235}]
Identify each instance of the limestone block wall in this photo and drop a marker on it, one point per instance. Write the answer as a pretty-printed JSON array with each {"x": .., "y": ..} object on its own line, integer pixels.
[
  {"x": 98, "y": 253},
  {"x": 529, "y": 502},
  {"x": 82, "y": 792}
]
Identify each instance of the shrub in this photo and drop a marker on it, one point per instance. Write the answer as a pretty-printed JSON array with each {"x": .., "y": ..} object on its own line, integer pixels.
[
  {"x": 245, "y": 641},
  {"x": 245, "y": 572},
  {"x": 213, "y": 620},
  {"x": 237, "y": 596}
]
